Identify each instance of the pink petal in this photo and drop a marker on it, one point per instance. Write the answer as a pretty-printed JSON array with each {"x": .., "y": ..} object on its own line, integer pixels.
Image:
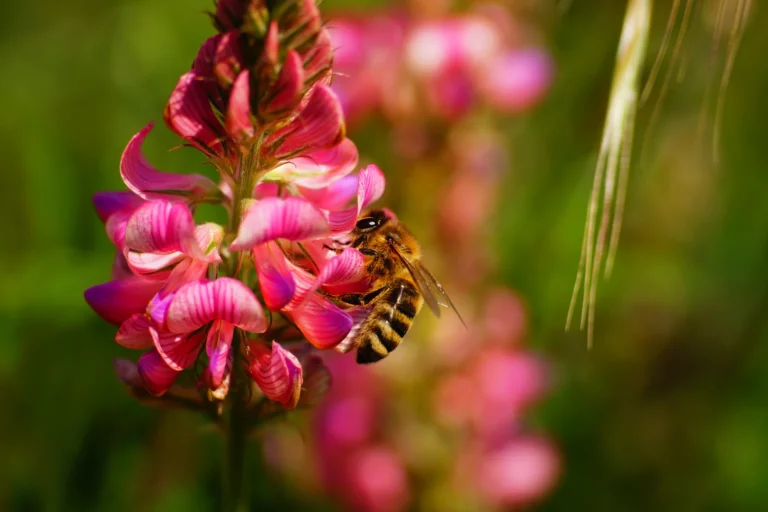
[
  {"x": 239, "y": 123},
  {"x": 370, "y": 188},
  {"x": 140, "y": 177},
  {"x": 189, "y": 114},
  {"x": 320, "y": 124},
  {"x": 335, "y": 196},
  {"x": 217, "y": 347},
  {"x": 179, "y": 351},
  {"x": 203, "y": 63},
  {"x": 134, "y": 332},
  {"x": 109, "y": 203},
  {"x": 197, "y": 303},
  {"x": 322, "y": 322},
  {"x": 116, "y": 301},
  {"x": 152, "y": 265},
  {"x": 275, "y": 277},
  {"x": 344, "y": 268},
  {"x": 277, "y": 372},
  {"x": 285, "y": 93},
  {"x": 319, "y": 168},
  {"x": 209, "y": 237},
  {"x": 157, "y": 376},
  {"x": 120, "y": 268},
  {"x": 163, "y": 227},
  {"x": 271, "y": 218},
  {"x": 228, "y": 58},
  {"x": 318, "y": 60},
  {"x": 186, "y": 271}
]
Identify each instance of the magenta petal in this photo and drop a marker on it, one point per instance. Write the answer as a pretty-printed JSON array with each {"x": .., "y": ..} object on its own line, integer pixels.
[
  {"x": 320, "y": 124},
  {"x": 197, "y": 303},
  {"x": 277, "y": 372},
  {"x": 271, "y": 218},
  {"x": 318, "y": 60},
  {"x": 335, "y": 196},
  {"x": 285, "y": 93},
  {"x": 116, "y": 301},
  {"x": 370, "y": 187},
  {"x": 109, "y": 203},
  {"x": 203, "y": 63},
  {"x": 319, "y": 168},
  {"x": 163, "y": 227},
  {"x": 228, "y": 58},
  {"x": 322, "y": 322},
  {"x": 134, "y": 332},
  {"x": 190, "y": 115},
  {"x": 239, "y": 123},
  {"x": 208, "y": 237},
  {"x": 217, "y": 347},
  {"x": 148, "y": 264},
  {"x": 178, "y": 351},
  {"x": 157, "y": 376},
  {"x": 343, "y": 268},
  {"x": 275, "y": 277},
  {"x": 141, "y": 177}
]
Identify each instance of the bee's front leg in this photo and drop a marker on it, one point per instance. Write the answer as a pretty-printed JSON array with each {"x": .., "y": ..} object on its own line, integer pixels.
[{"x": 359, "y": 299}]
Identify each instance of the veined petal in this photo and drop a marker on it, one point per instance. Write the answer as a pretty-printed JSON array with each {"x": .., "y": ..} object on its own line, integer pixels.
[
  {"x": 197, "y": 303},
  {"x": 147, "y": 263},
  {"x": 275, "y": 277},
  {"x": 109, "y": 203},
  {"x": 157, "y": 376},
  {"x": 277, "y": 372},
  {"x": 285, "y": 93},
  {"x": 217, "y": 347},
  {"x": 134, "y": 332},
  {"x": 189, "y": 114},
  {"x": 116, "y": 301},
  {"x": 335, "y": 196},
  {"x": 268, "y": 219},
  {"x": 186, "y": 271},
  {"x": 238, "y": 120},
  {"x": 140, "y": 177},
  {"x": 343, "y": 268},
  {"x": 318, "y": 60},
  {"x": 320, "y": 124},
  {"x": 178, "y": 351},
  {"x": 319, "y": 168},
  {"x": 163, "y": 227},
  {"x": 370, "y": 187},
  {"x": 322, "y": 322}
]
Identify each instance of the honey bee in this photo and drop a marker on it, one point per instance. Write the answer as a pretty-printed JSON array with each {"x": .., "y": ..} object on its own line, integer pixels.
[{"x": 399, "y": 284}]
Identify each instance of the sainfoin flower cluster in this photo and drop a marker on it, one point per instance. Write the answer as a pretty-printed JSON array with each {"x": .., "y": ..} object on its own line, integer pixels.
[{"x": 243, "y": 303}]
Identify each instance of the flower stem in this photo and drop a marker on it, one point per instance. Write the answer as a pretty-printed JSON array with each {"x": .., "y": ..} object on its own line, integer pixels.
[{"x": 234, "y": 499}]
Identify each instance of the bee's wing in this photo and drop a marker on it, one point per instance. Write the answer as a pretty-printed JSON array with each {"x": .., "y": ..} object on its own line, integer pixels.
[{"x": 432, "y": 291}]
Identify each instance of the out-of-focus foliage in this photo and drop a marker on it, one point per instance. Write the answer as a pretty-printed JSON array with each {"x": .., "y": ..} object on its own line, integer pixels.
[{"x": 668, "y": 411}]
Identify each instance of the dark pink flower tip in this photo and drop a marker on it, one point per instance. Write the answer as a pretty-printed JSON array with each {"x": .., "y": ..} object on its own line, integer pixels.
[
  {"x": 134, "y": 332},
  {"x": 109, "y": 203},
  {"x": 275, "y": 276},
  {"x": 227, "y": 60},
  {"x": 518, "y": 79},
  {"x": 230, "y": 14},
  {"x": 198, "y": 303},
  {"x": 285, "y": 93},
  {"x": 217, "y": 346},
  {"x": 162, "y": 227},
  {"x": 116, "y": 301},
  {"x": 318, "y": 60},
  {"x": 277, "y": 372},
  {"x": 271, "y": 218},
  {"x": 370, "y": 187},
  {"x": 206, "y": 55},
  {"x": 156, "y": 376},
  {"x": 320, "y": 124},
  {"x": 141, "y": 178},
  {"x": 238, "y": 121},
  {"x": 320, "y": 168},
  {"x": 190, "y": 115},
  {"x": 178, "y": 351},
  {"x": 321, "y": 321},
  {"x": 271, "y": 52}
]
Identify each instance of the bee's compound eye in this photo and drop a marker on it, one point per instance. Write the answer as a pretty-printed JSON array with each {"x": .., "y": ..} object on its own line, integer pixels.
[{"x": 366, "y": 224}]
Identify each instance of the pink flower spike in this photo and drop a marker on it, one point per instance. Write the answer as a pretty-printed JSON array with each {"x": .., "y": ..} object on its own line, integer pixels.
[
  {"x": 141, "y": 178},
  {"x": 217, "y": 347},
  {"x": 134, "y": 332},
  {"x": 189, "y": 114},
  {"x": 157, "y": 376},
  {"x": 275, "y": 277},
  {"x": 109, "y": 203},
  {"x": 277, "y": 372},
  {"x": 322, "y": 322},
  {"x": 197, "y": 303},
  {"x": 178, "y": 351},
  {"x": 238, "y": 120},
  {"x": 319, "y": 168},
  {"x": 319, "y": 125},
  {"x": 285, "y": 93},
  {"x": 271, "y": 218},
  {"x": 116, "y": 301},
  {"x": 163, "y": 227}
]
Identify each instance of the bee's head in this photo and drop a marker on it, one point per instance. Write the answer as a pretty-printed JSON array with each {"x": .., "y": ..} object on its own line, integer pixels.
[{"x": 372, "y": 220}]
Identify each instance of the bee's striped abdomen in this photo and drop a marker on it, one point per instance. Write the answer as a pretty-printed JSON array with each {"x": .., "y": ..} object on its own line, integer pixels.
[{"x": 391, "y": 318}]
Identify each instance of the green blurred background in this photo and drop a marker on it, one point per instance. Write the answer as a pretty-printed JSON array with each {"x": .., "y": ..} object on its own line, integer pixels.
[{"x": 667, "y": 412}]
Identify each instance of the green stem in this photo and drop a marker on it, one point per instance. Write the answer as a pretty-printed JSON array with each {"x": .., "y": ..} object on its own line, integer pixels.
[{"x": 234, "y": 499}]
